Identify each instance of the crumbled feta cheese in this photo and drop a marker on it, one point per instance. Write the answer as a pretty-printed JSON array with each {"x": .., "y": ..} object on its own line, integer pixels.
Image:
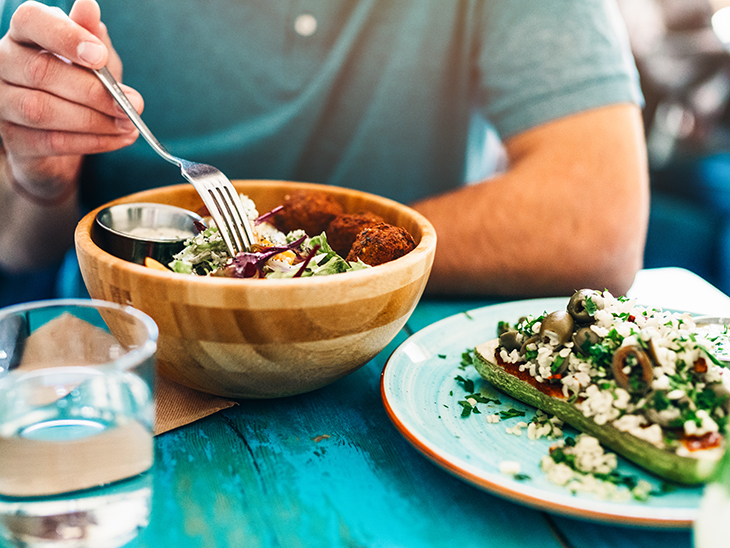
[
  {"x": 249, "y": 206},
  {"x": 509, "y": 467},
  {"x": 668, "y": 415},
  {"x": 661, "y": 383},
  {"x": 708, "y": 425},
  {"x": 675, "y": 394},
  {"x": 599, "y": 405},
  {"x": 590, "y": 459},
  {"x": 558, "y": 473},
  {"x": 516, "y": 429},
  {"x": 510, "y": 357},
  {"x": 621, "y": 398},
  {"x": 544, "y": 426},
  {"x": 637, "y": 425},
  {"x": 269, "y": 233},
  {"x": 642, "y": 490}
]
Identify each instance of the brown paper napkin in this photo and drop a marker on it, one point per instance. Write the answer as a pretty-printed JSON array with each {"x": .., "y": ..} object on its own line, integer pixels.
[
  {"x": 68, "y": 339},
  {"x": 178, "y": 405}
]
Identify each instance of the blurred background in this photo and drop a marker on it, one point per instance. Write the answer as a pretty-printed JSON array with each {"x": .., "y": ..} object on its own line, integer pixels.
[{"x": 681, "y": 50}]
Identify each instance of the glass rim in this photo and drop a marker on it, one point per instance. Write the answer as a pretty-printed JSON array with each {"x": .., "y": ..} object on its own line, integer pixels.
[{"x": 132, "y": 358}]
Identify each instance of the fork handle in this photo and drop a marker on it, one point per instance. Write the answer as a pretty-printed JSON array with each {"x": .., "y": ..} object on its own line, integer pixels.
[{"x": 113, "y": 88}]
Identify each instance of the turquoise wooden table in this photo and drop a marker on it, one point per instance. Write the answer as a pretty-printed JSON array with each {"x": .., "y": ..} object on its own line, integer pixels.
[{"x": 329, "y": 469}]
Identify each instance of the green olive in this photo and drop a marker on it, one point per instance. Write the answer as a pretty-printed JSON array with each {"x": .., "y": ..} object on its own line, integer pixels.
[
  {"x": 651, "y": 351},
  {"x": 510, "y": 340},
  {"x": 577, "y": 305},
  {"x": 638, "y": 379},
  {"x": 557, "y": 327},
  {"x": 584, "y": 338}
]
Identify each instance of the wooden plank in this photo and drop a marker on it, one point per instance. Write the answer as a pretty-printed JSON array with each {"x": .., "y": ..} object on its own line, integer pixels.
[{"x": 322, "y": 469}]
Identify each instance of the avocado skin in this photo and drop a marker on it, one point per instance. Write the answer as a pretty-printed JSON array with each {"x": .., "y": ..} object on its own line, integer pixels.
[{"x": 661, "y": 462}]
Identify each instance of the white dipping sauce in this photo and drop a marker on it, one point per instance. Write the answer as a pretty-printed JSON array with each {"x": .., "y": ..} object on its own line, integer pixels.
[{"x": 160, "y": 233}]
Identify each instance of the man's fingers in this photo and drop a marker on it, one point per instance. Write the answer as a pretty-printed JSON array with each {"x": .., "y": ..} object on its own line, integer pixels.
[
  {"x": 30, "y": 68},
  {"x": 26, "y": 67},
  {"x": 87, "y": 14},
  {"x": 25, "y": 141},
  {"x": 52, "y": 30},
  {"x": 40, "y": 110}
]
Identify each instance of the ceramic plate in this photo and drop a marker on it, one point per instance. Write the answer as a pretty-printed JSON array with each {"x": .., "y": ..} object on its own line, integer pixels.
[{"x": 421, "y": 396}]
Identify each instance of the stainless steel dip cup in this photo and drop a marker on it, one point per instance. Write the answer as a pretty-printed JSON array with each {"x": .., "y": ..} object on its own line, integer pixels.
[{"x": 138, "y": 230}]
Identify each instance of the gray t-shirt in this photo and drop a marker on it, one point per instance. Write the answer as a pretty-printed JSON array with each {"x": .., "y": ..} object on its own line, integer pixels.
[{"x": 388, "y": 96}]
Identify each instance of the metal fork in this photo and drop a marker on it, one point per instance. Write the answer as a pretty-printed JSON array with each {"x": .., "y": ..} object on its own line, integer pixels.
[{"x": 217, "y": 192}]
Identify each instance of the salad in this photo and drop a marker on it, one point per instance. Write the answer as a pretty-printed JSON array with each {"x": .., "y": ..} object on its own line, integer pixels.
[{"x": 276, "y": 254}]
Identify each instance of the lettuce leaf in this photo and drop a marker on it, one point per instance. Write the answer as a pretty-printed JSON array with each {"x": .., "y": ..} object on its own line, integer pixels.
[{"x": 203, "y": 253}]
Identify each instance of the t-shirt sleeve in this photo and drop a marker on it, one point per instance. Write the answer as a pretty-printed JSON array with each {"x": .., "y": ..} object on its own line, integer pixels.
[{"x": 540, "y": 60}]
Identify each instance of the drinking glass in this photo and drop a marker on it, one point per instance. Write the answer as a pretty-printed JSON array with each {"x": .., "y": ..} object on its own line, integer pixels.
[{"x": 76, "y": 419}]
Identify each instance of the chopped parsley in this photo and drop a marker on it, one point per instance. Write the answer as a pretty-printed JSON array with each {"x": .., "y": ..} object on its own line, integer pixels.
[
  {"x": 468, "y": 384},
  {"x": 591, "y": 306},
  {"x": 511, "y": 413},
  {"x": 467, "y": 358},
  {"x": 467, "y": 408}
]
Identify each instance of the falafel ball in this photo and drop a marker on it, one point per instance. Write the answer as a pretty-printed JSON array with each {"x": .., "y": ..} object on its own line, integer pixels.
[
  {"x": 344, "y": 228},
  {"x": 381, "y": 243},
  {"x": 309, "y": 210}
]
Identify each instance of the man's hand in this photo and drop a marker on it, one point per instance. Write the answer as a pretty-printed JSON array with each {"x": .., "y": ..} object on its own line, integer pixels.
[{"x": 52, "y": 109}]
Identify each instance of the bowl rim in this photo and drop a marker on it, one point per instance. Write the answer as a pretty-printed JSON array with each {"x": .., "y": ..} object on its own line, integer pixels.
[{"x": 425, "y": 247}]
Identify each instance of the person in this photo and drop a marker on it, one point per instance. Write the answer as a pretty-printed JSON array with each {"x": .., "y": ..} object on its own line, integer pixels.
[{"x": 396, "y": 97}]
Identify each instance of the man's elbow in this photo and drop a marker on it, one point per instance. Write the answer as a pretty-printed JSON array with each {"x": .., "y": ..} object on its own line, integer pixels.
[{"x": 613, "y": 262}]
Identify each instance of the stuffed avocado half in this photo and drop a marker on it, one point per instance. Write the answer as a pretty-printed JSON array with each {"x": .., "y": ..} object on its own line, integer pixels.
[{"x": 647, "y": 383}]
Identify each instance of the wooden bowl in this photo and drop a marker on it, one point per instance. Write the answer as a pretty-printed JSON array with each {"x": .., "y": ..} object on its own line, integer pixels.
[{"x": 252, "y": 338}]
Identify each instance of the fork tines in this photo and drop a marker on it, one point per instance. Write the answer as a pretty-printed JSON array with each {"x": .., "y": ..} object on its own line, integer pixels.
[
  {"x": 223, "y": 203},
  {"x": 236, "y": 229}
]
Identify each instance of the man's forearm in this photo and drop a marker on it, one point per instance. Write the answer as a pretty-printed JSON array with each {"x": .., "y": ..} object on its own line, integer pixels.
[
  {"x": 502, "y": 251},
  {"x": 571, "y": 212}
]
